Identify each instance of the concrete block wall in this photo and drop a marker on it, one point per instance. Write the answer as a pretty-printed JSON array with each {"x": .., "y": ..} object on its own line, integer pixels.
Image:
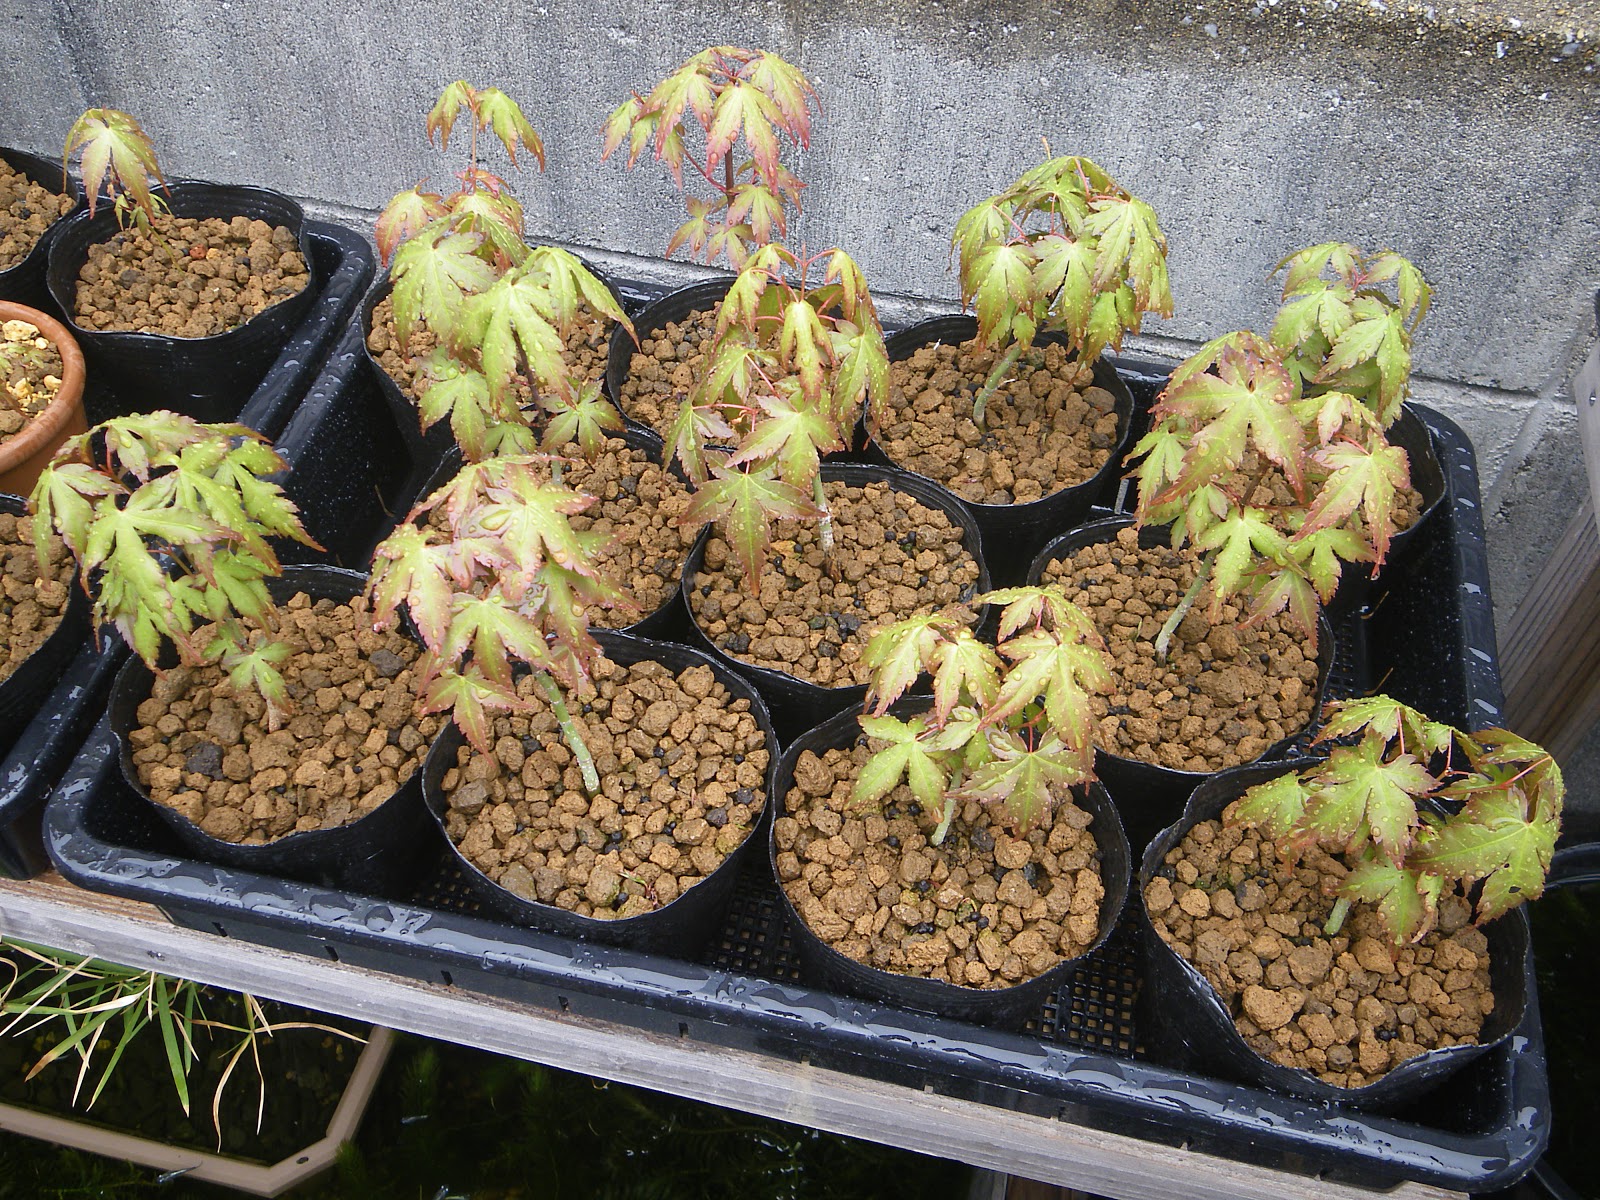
[{"x": 1462, "y": 134}]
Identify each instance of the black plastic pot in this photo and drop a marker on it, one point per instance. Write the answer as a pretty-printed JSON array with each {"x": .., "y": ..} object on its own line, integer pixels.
[
  {"x": 681, "y": 927},
  {"x": 24, "y": 283},
  {"x": 1148, "y": 795},
  {"x": 207, "y": 378},
  {"x": 374, "y": 854},
  {"x": 24, "y": 690},
  {"x": 795, "y": 704},
  {"x": 1005, "y": 1007},
  {"x": 1188, "y": 1023},
  {"x": 1014, "y": 533},
  {"x": 674, "y": 306}
]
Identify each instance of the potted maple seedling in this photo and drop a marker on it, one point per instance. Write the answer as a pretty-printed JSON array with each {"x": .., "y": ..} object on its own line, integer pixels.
[
  {"x": 180, "y": 295},
  {"x": 1016, "y": 412},
  {"x": 257, "y": 716},
  {"x": 747, "y": 104},
  {"x": 559, "y": 785},
  {"x": 1344, "y": 926},
  {"x": 801, "y": 558},
  {"x": 994, "y": 860},
  {"x": 473, "y": 324}
]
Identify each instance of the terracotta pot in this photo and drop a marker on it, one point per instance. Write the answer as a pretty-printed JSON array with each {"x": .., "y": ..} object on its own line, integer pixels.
[{"x": 25, "y": 455}]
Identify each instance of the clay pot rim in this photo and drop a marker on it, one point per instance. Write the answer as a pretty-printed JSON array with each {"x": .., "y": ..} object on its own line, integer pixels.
[{"x": 49, "y": 425}]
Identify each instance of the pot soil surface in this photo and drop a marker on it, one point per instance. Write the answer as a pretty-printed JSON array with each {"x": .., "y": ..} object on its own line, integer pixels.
[
  {"x": 30, "y": 373},
  {"x": 893, "y": 557},
  {"x": 26, "y": 211},
  {"x": 639, "y": 504},
  {"x": 984, "y": 909},
  {"x": 1226, "y": 692},
  {"x": 205, "y": 750},
  {"x": 1346, "y": 1008},
  {"x": 188, "y": 277},
  {"x": 1045, "y": 428},
  {"x": 584, "y": 351},
  {"x": 31, "y": 603},
  {"x": 665, "y": 367},
  {"x": 683, "y": 770}
]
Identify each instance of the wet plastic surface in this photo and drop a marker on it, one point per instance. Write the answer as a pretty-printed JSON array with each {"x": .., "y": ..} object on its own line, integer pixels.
[
  {"x": 1080, "y": 1057},
  {"x": 342, "y": 266},
  {"x": 24, "y": 282},
  {"x": 209, "y": 378}
]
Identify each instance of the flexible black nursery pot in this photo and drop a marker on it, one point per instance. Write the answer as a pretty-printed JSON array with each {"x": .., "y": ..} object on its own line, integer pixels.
[
  {"x": 795, "y": 704},
  {"x": 24, "y": 282},
  {"x": 1006, "y": 1007},
  {"x": 374, "y": 854},
  {"x": 680, "y": 927},
  {"x": 1187, "y": 1024},
  {"x": 207, "y": 378},
  {"x": 1149, "y": 795},
  {"x": 1014, "y": 533},
  {"x": 674, "y": 306}
]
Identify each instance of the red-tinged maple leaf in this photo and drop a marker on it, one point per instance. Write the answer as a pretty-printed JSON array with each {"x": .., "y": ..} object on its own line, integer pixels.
[
  {"x": 433, "y": 277},
  {"x": 790, "y": 92},
  {"x": 896, "y": 655},
  {"x": 1277, "y": 806},
  {"x": 904, "y": 756},
  {"x": 791, "y": 434},
  {"x": 470, "y": 698},
  {"x": 694, "y": 430},
  {"x": 407, "y": 568},
  {"x": 117, "y": 159},
  {"x": 1242, "y": 539},
  {"x": 629, "y": 123},
  {"x": 1045, "y": 606},
  {"x": 1363, "y": 791},
  {"x": 1026, "y": 782},
  {"x": 1064, "y": 673},
  {"x": 1500, "y": 839},
  {"x": 583, "y": 419},
  {"x": 501, "y": 116},
  {"x": 965, "y": 670},
  {"x": 1407, "y": 898},
  {"x": 1289, "y": 592},
  {"x": 1360, "y": 480},
  {"x": 1245, "y": 404},
  {"x": 408, "y": 213},
  {"x": 495, "y": 218},
  {"x": 1414, "y": 731},
  {"x": 746, "y": 503},
  {"x": 1132, "y": 248}
]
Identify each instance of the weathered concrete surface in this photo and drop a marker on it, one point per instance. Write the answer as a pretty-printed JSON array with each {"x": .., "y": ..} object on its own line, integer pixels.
[{"x": 1462, "y": 134}]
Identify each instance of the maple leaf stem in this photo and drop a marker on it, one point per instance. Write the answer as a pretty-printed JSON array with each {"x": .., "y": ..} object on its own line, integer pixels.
[
  {"x": 727, "y": 174},
  {"x": 825, "y": 525},
  {"x": 569, "y": 730},
  {"x": 996, "y": 378},
  {"x": 1164, "y": 638},
  {"x": 1335, "y": 922},
  {"x": 936, "y": 838}
]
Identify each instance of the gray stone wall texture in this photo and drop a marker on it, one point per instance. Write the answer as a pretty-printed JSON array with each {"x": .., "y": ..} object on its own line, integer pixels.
[{"x": 1464, "y": 135}]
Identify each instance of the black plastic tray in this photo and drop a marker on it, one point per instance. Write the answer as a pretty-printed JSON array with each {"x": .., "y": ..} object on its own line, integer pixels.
[
  {"x": 1429, "y": 639},
  {"x": 342, "y": 267}
]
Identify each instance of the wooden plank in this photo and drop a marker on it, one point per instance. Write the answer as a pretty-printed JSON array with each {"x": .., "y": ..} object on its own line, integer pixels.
[{"x": 52, "y": 912}]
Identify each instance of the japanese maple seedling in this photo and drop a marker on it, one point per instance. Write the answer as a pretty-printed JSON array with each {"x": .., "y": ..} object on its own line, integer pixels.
[
  {"x": 1009, "y": 725},
  {"x": 730, "y": 93},
  {"x": 1064, "y": 250},
  {"x": 788, "y": 371},
  {"x": 136, "y": 494},
  {"x": 1277, "y": 478},
  {"x": 1495, "y": 827},
  {"x": 506, "y": 580},
  {"x": 498, "y": 309},
  {"x": 116, "y": 159}
]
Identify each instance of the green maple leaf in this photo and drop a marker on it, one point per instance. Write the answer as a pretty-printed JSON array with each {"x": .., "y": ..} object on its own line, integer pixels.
[
  {"x": 862, "y": 370},
  {"x": 1360, "y": 791},
  {"x": 1243, "y": 539},
  {"x": 1131, "y": 249},
  {"x": 693, "y": 431},
  {"x": 1246, "y": 403},
  {"x": 1043, "y": 605},
  {"x": 469, "y": 697},
  {"x": 257, "y": 669},
  {"x": 1319, "y": 556},
  {"x": 1377, "y": 335},
  {"x": 117, "y": 157},
  {"x": 804, "y": 348},
  {"x": 511, "y": 322},
  {"x": 433, "y": 277},
  {"x": 1361, "y": 480},
  {"x": 500, "y": 115},
  {"x": 1278, "y": 806},
  {"x": 1004, "y": 273},
  {"x": 407, "y": 568},
  {"x": 497, "y": 218},
  {"x": 1065, "y": 277},
  {"x": 1064, "y": 672},
  {"x": 746, "y": 504},
  {"x": 793, "y": 435},
  {"x": 584, "y": 419},
  {"x": 63, "y": 499},
  {"x": 1160, "y": 454},
  {"x": 897, "y": 654},
  {"x": 983, "y": 224},
  {"x": 759, "y": 208},
  {"x": 1026, "y": 783},
  {"x": 1407, "y": 898},
  {"x": 627, "y": 123},
  {"x": 1290, "y": 592},
  {"x": 407, "y": 214},
  {"x": 493, "y": 633},
  {"x": 1498, "y": 837},
  {"x": 532, "y": 524},
  {"x": 906, "y": 756},
  {"x": 963, "y": 669},
  {"x": 1390, "y": 720},
  {"x": 1305, "y": 267}
]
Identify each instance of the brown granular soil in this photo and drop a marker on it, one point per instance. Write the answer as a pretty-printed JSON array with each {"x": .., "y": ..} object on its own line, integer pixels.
[
  {"x": 683, "y": 770},
  {"x": 1226, "y": 692},
  {"x": 33, "y": 377},
  {"x": 665, "y": 367},
  {"x": 984, "y": 909},
  {"x": 1346, "y": 1008},
  {"x": 31, "y": 603},
  {"x": 893, "y": 557},
  {"x": 585, "y": 352},
  {"x": 1045, "y": 428},
  {"x": 26, "y": 211},
  {"x": 203, "y": 749},
  {"x": 189, "y": 277},
  {"x": 639, "y": 504}
]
